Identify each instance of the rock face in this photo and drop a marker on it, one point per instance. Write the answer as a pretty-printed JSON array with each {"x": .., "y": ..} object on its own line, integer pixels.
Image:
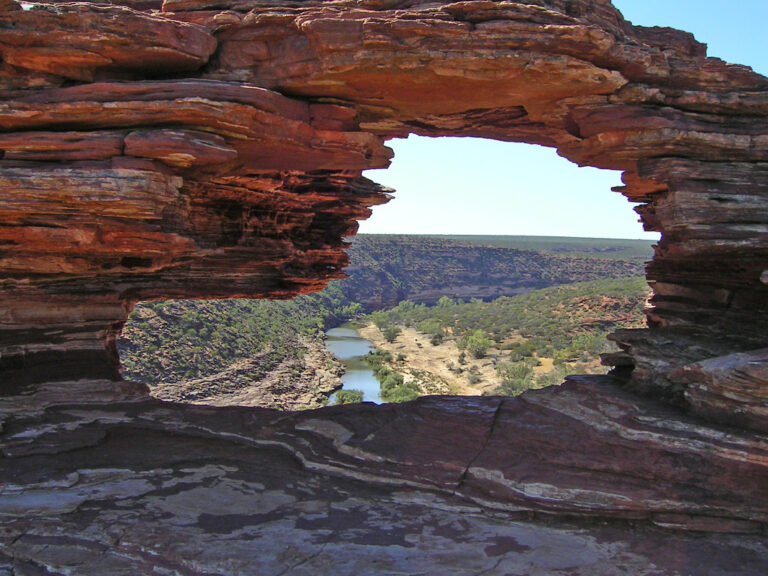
[
  {"x": 215, "y": 148},
  {"x": 450, "y": 485},
  {"x": 289, "y": 385}
]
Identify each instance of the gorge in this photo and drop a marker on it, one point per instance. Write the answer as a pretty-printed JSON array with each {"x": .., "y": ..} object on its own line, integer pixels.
[{"x": 214, "y": 148}]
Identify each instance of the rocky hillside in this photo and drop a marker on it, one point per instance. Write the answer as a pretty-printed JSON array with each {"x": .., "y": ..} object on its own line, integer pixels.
[
  {"x": 386, "y": 269},
  {"x": 250, "y": 352}
]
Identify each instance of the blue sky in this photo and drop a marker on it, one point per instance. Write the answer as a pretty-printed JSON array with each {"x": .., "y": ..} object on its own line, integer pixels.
[{"x": 471, "y": 186}]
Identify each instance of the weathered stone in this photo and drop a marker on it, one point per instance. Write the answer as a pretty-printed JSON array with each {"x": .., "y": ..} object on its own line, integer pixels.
[
  {"x": 60, "y": 40},
  {"x": 733, "y": 384},
  {"x": 441, "y": 484},
  {"x": 179, "y": 148},
  {"x": 61, "y": 146},
  {"x": 546, "y": 443}
]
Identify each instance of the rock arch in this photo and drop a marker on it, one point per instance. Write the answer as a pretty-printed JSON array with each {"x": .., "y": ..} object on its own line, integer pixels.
[
  {"x": 201, "y": 153},
  {"x": 215, "y": 149}
]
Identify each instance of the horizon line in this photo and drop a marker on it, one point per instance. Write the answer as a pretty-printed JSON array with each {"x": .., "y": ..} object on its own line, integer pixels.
[{"x": 501, "y": 236}]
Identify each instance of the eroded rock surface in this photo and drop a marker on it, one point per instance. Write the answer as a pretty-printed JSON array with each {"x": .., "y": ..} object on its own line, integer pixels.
[
  {"x": 215, "y": 149},
  {"x": 441, "y": 485}
]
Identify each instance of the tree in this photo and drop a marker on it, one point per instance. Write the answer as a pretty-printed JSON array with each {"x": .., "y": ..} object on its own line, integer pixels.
[
  {"x": 380, "y": 319},
  {"x": 391, "y": 333},
  {"x": 445, "y": 302},
  {"x": 477, "y": 343}
]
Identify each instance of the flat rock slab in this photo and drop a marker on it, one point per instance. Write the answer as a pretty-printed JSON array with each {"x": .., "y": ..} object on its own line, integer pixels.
[
  {"x": 264, "y": 515},
  {"x": 441, "y": 485},
  {"x": 237, "y": 510}
]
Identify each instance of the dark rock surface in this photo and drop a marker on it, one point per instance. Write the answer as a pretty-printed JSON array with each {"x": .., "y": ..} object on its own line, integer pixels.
[{"x": 574, "y": 480}]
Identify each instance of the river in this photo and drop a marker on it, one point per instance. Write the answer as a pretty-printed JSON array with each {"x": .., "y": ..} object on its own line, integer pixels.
[{"x": 350, "y": 349}]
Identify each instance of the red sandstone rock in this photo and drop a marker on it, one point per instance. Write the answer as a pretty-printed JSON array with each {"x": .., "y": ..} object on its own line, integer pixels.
[
  {"x": 61, "y": 41},
  {"x": 179, "y": 148},
  {"x": 734, "y": 384},
  {"x": 58, "y": 146}
]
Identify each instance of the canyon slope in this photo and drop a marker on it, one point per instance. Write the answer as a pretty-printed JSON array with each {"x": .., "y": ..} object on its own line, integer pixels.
[
  {"x": 271, "y": 353},
  {"x": 214, "y": 148},
  {"x": 385, "y": 269}
]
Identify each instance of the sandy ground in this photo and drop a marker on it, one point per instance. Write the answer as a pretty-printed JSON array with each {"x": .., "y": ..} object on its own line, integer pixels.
[
  {"x": 422, "y": 359},
  {"x": 429, "y": 365},
  {"x": 545, "y": 365}
]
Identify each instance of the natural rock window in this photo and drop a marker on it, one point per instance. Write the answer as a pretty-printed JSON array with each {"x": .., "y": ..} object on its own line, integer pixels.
[
  {"x": 238, "y": 175},
  {"x": 438, "y": 325}
]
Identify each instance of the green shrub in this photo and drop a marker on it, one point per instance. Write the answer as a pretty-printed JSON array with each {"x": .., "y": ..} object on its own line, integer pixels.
[
  {"x": 391, "y": 333},
  {"x": 516, "y": 377},
  {"x": 349, "y": 397},
  {"x": 391, "y": 380},
  {"x": 402, "y": 394},
  {"x": 476, "y": 343}
]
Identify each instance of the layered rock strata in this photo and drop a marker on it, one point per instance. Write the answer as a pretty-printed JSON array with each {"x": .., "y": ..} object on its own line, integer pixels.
[
  {"x": 215, "y": 149},
  {"x": 441, "y": 485}
]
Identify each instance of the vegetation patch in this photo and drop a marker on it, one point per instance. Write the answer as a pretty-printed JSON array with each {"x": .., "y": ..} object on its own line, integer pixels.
[
  {"x": 348, "y": 397},
  {"x": 532, "y": 340}
]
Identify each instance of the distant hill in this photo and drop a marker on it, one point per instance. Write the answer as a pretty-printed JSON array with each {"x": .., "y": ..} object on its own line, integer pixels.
[
  {"x": 616, "y": 249},
  {"x": 386, "y": 269}
]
